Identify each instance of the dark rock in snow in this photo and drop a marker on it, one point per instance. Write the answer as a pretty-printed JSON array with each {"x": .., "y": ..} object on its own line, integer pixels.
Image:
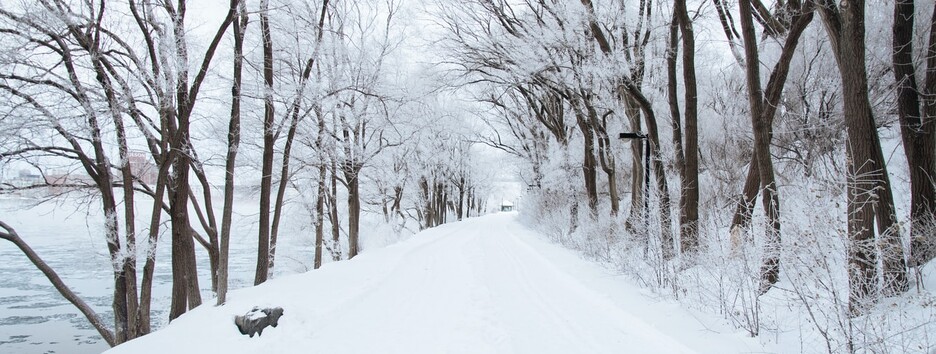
[{"x": 255, "y": 320}]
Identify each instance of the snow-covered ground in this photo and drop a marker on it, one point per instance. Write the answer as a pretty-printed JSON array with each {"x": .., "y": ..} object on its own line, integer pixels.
[{"x": 484, "y": 285}]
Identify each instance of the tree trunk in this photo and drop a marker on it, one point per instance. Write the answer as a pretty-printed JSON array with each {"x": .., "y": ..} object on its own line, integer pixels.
[
  {"x": 240, "y": 27},
  {"x": 659, "y": 171},
  {"x": 103, "y": 180},
  {"x": 149, "y": 268},
  {"x": 689, "y": 200},
  {"x": 427, "y": 200},
  {"x": 119, "y": 301},
  {"x": 384, "y": 200},
  {"x": 207, "y": 219},
  {"x": 283, "y": 182},
  {"x": 321, "y": 189},
  {"x": 606, "y": 159},
  {"x": 868, "y": 190},
  {"x": 637, "y": 166},
  {"x": 613, "y": 190},
  {"x": 194, "y": 291},
  {"x": 183, "y": 248},
  {"x": 918, "y": 130},
  {"x": 727, "y": 23},
  {"x": 773, "y": 92},
  {"x": 461, "y": 198},
  {"x": 770, "y": 268},
  {"x": 354, "y": 209},
  {"x": 123, "y": 258},
  {"x": 159, "y": 151},
  {"x": 320, "y": 215},
  {"x": 673, "y": 99},
  {"x": 589, "y": 164},
  {"x": 470, "y": 200},
  {"x": 291, "y": 134},
  {"x": 266, "y": 174},
  {"x": 672, "y": 93},
  {"x": 185, "y": 291},
  {"x": 440, "y": 202},
  {"x": 605, "y": 154},
  {"x": 745, "y": 207},
  {"x": 333, "y": 213},
  {"x": 130, "y": 259}
]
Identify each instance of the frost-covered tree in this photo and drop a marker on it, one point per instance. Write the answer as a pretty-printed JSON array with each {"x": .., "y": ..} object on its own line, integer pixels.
[
  {"x": 870, "y": 198},
  {"x": 916, "y": 111},
  {"x": 126, "y": 70}
]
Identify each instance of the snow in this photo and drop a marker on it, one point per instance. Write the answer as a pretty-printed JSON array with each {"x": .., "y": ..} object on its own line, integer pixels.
[
  {"x": 255, "y": 314},
  {"x": 484, "y": 285}
]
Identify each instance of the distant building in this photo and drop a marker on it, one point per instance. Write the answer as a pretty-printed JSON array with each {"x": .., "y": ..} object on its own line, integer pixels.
[
  {"x": 25, "y": 178},
  {"x": 61, "y": 182},
  {"x": 506, "y": 205},
  {"x": 142, "y": 167},
  {"x": 27, "y": 175}
]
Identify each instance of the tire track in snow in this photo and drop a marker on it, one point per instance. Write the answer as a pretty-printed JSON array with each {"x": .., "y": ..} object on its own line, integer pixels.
[
  {"x": 420, "y": 297},
  {"x": 563, "y": 297},
  {"x": 544, "y": 306},
  {"x": 380, "y": 273}
]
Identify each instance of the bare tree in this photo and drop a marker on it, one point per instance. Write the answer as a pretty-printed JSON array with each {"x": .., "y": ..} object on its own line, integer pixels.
[
  {"x": 763, "y": 115},
  {"x": 916, "y": 108},
  {"x": 176, "y": 103},
  {"x": 631, "y": 94},
  {"x": 362, "y": 113},
  {"x": 295, "y": 114},
  {"x": 870, "y": 201},
  {"x": 321, "y": 187},
  {"x": 801, "y": 17},
  {"x": 66, "y": 44},
  {"x": 770, "y": 271},
  {"x": 689, "y": 196},
  {"x": 266, "y": 172},
  {"x": 234, "y": 136},
  {"x": 87, "y": 49}
]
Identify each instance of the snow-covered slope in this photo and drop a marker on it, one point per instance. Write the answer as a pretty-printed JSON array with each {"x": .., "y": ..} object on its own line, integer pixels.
[{"x": 484, "y": 285}]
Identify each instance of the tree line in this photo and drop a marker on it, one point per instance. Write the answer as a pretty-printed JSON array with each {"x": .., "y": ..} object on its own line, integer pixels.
[{"x": 564, "y": 78}]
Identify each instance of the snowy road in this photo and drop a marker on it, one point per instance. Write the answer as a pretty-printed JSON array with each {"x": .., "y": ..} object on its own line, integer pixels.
[{"x": 485, "y": 285}]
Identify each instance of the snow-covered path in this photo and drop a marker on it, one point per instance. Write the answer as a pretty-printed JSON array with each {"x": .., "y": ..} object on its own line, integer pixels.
[{"x": 484, "y": 285}]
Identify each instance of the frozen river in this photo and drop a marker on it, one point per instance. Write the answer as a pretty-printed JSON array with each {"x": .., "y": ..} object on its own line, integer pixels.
[{"x": 34, "y": 318}]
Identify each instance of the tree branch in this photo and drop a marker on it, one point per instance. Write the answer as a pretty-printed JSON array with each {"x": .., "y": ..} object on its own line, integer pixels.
[{"x": 10, "y": 234}]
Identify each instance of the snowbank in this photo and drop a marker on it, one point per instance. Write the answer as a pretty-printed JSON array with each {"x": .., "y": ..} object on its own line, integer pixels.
[{"x": 484, "y": 285}]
